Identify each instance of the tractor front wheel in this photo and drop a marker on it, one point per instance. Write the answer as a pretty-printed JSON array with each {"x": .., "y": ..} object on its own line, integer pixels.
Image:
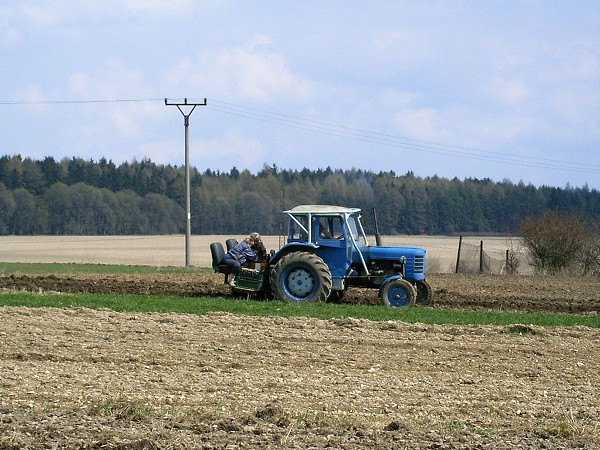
[
  {"x": 424, "y": 293},
  {"x": 397, "y": 293},
  {"x": 301, "y": 277}
]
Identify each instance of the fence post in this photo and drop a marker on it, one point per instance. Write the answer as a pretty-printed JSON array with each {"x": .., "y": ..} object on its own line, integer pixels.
[
  {"x": 458, "y": 253},
  {"x": 480, "y": 256}
]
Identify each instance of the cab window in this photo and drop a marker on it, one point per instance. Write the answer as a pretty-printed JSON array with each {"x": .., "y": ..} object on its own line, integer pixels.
[
  {"x": 298, "y": 231},
  {"x": 330, "y": 228}
]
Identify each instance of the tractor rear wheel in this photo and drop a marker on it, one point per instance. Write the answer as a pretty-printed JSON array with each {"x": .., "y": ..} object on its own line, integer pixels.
[
  {"x": 301, "y": 277},
  {"x": 397, "y": 293},
  {"x": 424, "y": 293}
]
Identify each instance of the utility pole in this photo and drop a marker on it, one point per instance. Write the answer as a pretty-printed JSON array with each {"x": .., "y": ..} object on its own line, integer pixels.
[{"x": 186, "y": 123}]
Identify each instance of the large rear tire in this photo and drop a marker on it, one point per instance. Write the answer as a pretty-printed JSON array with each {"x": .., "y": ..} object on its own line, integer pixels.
[
  {"x": 301, "y": 277},
  {"x": 398, "y": 293}
]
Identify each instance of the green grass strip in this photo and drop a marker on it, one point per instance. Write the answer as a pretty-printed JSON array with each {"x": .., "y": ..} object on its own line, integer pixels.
[{"x": 203, "y": 305}]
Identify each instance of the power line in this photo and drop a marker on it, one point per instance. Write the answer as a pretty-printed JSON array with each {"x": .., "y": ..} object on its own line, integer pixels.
[
  {"x": 399, "y": 141},
  {"x": 66, "y": 102}
]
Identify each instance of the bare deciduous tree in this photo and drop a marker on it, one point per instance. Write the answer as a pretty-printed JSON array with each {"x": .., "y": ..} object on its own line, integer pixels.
[
  {"x": 590, "y": 254},
  {"x": 514, "y": 250},
  {"x": 554, "y": 240}
]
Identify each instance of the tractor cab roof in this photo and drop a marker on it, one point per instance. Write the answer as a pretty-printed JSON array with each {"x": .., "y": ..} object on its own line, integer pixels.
[{"x": 322, "y": 210}]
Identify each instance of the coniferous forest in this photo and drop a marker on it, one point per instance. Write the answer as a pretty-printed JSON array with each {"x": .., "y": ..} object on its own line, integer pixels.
[{"x": 79, "y": 197}]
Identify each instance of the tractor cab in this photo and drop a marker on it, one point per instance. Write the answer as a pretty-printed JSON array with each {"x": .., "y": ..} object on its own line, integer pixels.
[
  {"x": 317, "y": 223},
  {"x": 334, "y": 233}
]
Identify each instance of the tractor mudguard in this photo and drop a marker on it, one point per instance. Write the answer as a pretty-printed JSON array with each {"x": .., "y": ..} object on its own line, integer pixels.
[{"x": 292, "y": 247}]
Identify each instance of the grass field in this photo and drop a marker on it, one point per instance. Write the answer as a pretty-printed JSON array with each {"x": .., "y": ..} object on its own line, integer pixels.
[{"x": 205, "y": 305}]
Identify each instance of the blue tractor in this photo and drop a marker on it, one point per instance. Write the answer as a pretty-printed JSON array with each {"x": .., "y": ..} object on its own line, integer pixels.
[{"x": 327, "y": 251}]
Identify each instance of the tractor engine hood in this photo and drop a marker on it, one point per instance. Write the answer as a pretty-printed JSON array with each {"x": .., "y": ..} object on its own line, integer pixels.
[
  {"x": 414, "y": 258},
  {"x": 391, "y": 253}
]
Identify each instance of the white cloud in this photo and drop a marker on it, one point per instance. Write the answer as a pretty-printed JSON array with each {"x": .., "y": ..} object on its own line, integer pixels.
[
  {"x": 384, "y": 39},
  {"x": 508, "y": 91},
  {"x": 168, "y": 7},
  {"x": 43, "y": 15},
  {"x": 466, "y": 127},
  {"x": 117, "y": 82},
  {"x": 83, "y": 140},
  {"x": 572, "y": 113},
  {"x": 9, "y": 34},
  {"x": 164, "y": 152},
  {"x": 231, "y": 149},
  {"x": 32, "y": 93},
  {"x": 242, "y": 73},
  {"x": 111, "y": 81},
  {"x": 80, "y": 83},
  {"x": 52, "y": 13},
  {"x": 420, "y": 123}
]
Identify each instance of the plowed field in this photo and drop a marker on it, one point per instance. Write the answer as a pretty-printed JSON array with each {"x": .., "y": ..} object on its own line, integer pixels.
[{"x": 80, "y": 378}]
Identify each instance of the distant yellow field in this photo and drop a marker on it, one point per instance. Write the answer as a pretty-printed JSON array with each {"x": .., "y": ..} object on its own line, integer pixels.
[{"x": 169, "y": 250}]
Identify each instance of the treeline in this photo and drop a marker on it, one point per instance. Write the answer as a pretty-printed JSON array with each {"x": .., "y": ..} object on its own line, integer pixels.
[{"x": 75, "y": 196}]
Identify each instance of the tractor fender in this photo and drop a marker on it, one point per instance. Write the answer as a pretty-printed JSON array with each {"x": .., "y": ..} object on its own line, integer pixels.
[
  {"x": 386, "y": 281},
  {"x": 292, "y": 247}
]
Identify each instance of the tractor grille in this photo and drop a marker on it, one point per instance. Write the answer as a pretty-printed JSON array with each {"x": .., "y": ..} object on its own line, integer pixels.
[{"x": 419, "y": 264}]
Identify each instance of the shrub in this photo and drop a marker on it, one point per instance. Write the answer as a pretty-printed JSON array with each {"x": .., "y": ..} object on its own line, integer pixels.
[{"x": 554, "y": 241}]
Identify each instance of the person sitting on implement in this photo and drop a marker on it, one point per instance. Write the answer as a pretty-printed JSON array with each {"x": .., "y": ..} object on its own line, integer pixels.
[
  {"x": 239, "y": 256},
  {"x": 258, "y": 247}
]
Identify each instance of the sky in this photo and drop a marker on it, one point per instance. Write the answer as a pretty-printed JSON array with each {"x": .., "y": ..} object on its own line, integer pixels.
[{"x": 505, "y": 90}]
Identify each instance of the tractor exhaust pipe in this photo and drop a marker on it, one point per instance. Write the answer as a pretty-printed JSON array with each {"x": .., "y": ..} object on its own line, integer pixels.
[{"x": 377, "y": 235}]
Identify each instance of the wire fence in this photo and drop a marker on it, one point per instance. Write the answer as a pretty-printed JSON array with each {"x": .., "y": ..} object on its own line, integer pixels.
[{"x": 472, "y": 258}]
